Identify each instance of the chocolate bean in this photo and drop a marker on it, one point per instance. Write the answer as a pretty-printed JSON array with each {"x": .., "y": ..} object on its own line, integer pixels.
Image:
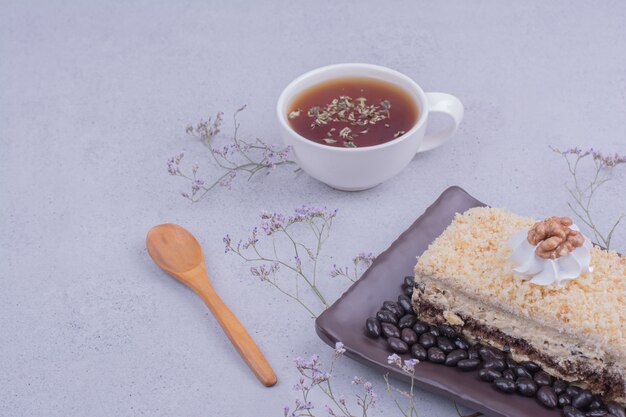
[
  {"x": 420, "y": 327},
  {"x": 407, "y": 320},
  {"x": 530, "y": 366},
  {"x": 409, "y": 281},
  {"x": 468, "y": 364},
  {"x": 542, "y": 378},
  {"x": 445, "y": 344},
  {"x": 386, "y": 316},
  {"x": 461, "y": 343},
  {"x": 495, "y": 364},
  {"x": 434, "y": 331},
  {"x": 427, "y": 340},
  {"x": 582, "y": 400},
  {"x": 488, "y": 353},
  {"x": 510, "y": 363},
  {"x": 504, "y": 385},
  {"x": 497, "y": 353},
  {"x": 447, "y": 331},
  {"x": 373, "y": 327},
  {"x": 436, "y": 355},
  {"x": 418, "y": 352},
  {"x": 594, "y": 404},
  {"x": 407, "y": 290},
  {"x": 509, "y": 374},
  {"x": 526, "y": 386},
  {"x": 569, "y": 411},
  {"x": 488, "y": 375},
  {"x": 398, "y": 345},
  {"x": 564, "y": 399},
  {"x": 409, "y": 336},
  {"x": 472, "y": 352},
  {"x": 394, "y": 308},
  {"x": 521, "y": 372},
  {"x": 390, "y": 330},
  {"x": 615, "y": 409},
  {"x": 573, "y": 390},
  {"x": 547, "y": 397},
  {"x": 405, "y": 303},
  {"x": 598, "y": 412},
  {"x": 560, "y": 386},
  {"x": 455, "y": 356}
]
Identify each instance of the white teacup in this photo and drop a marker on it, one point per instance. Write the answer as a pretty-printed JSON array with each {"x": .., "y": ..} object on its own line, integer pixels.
[{"x": 354, "y": 169}]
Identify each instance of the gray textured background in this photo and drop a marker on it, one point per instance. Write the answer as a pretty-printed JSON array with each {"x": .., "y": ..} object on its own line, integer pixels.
[{"x": 95, "y": 96}]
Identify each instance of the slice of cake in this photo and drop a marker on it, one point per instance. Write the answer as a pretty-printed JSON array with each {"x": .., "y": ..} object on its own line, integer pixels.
[{"x": 551, "y": 308}]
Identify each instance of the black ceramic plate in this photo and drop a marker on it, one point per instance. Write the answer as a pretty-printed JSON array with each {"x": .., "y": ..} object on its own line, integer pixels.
[{"x": 344, "y": 321}]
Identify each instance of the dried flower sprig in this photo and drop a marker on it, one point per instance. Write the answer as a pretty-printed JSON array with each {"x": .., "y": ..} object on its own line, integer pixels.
[
  {"x": 360, "y": 262},
  {"x": 300, "y": 263},
  {"x": 237, "y": 156},
  {"x": 582, "y": 191},
  {"x": 314, "y": 378},
  {"x": 408, "y": 367}
]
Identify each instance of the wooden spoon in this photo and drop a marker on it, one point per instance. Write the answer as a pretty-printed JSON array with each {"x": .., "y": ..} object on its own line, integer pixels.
[{"x": 178, "y": 253}]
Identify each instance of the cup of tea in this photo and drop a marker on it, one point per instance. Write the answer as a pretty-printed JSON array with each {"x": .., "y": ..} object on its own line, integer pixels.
[{"x": 353, "y": 126}]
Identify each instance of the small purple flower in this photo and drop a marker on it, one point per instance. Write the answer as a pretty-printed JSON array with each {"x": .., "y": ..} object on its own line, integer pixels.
[
  {"x": 227, "y": 242},
  {"x": 173, "y": 164},
  {"x": 608, "y": 161},
  {"x": 409, "y": 365},
  {"x": 319, "y": 376},
  {"x": 196, "y": 185},
  {"x": 394, "y": 359},
  {"x": 369, "y": 391},
  {"x": 252, "y": 239},
  {"x": 263, "y": 272},
  {"x": 339, "y": 349},
  {"x": 228, "y": 179},
  {"x": 300, "y": 363},
  {"x": 311, "y": 254},
  {"x": 365, "y": 258},
  {"x": 272, "y": 222}
]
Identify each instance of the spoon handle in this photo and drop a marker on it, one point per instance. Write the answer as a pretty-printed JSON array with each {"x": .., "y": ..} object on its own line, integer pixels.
[{"x": 237, "y": 334}]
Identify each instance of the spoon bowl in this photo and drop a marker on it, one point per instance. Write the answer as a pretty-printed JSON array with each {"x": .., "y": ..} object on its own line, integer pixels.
[
  {"x": 173, "y": 248},
  {"x": 176, "y": 251}
]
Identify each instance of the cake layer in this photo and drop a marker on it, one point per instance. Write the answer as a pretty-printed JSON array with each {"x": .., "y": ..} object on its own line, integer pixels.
[
  {"x": 577, "y": 331},
  {"x": 561, "y": 355}
]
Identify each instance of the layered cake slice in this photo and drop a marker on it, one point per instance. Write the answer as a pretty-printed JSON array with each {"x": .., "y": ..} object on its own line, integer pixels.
[{"x": 536, "y": 288}]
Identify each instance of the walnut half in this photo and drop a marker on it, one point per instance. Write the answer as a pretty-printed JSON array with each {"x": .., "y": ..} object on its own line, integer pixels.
[{"x": 554, "y": 237}]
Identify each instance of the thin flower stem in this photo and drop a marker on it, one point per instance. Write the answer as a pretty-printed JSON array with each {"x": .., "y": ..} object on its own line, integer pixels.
[
  {"x": 313, "y": 315},
  {"x": 393, "y": 397},
  {"x": 329, "y": 393},
  {"x": 583, "y": 196},
  {"x": 310, "y": 283}
]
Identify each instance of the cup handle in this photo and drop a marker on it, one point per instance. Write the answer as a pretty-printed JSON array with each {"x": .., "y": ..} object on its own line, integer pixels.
[{"x": 445, "y": 104}]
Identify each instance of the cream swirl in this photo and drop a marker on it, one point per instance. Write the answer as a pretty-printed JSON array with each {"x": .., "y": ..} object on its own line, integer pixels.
[{"x": 543, "y": 271}]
